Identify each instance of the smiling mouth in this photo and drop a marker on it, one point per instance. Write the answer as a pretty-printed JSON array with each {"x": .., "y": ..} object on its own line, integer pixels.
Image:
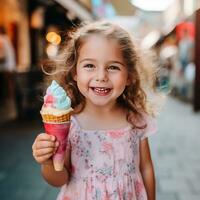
[{"x": 102, "y": 91}]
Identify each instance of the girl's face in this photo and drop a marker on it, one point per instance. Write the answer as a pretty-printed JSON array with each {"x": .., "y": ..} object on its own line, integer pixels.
[{"x": 101, "y": 73}]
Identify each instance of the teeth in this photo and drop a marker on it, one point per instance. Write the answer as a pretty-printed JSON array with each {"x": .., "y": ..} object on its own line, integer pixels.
[
  {"x": 104, "y": 90},
  {"x": 100, "y": 89}
]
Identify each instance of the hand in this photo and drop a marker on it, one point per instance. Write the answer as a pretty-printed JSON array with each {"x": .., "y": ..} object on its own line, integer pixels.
[{"x": 44, "y": 147}]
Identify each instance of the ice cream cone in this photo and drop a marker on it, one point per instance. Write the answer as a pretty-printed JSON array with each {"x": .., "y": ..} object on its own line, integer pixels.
[
  {"x": 60, "y": 131},
  {"x": 56, "y": 112},
  {"x": 56, "y": 119}
]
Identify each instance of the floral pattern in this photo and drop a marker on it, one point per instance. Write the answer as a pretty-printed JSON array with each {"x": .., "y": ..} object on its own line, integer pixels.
[{"x": 105, "y": 164}]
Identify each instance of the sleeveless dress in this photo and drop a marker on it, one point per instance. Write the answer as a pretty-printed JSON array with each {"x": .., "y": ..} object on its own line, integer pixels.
[{"x": 105, "y": 163}]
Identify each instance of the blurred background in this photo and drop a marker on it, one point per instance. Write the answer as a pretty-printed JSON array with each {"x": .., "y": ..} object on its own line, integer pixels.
[{"x": 32, "y": 30}]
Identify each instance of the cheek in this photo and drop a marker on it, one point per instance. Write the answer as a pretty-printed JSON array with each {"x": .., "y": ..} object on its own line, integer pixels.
[
  {"x": 82, "y": 79},
  {"x": 122, "y": 88},
  {"x": 81, "y": 88},
  {"x": 122, "y": 80},
  {"x": 82, "y": 83},
  {"x": 121, "y": 84}
]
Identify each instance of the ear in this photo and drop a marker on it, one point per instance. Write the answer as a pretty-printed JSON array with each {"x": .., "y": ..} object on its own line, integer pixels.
[
  {"x": 75, "y": 77},
  {"x": 128, "y": 82},
  {"x": 74, "y": 74}
]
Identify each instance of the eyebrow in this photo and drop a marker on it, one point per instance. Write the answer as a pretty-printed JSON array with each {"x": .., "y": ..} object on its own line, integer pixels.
[
  {"x": 111, "y": 61},
  {"x": 87, "y": 59}
]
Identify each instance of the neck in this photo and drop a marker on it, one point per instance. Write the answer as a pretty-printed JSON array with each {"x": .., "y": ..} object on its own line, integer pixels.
[
  {"x": 100, "y": 117},
  {"x": 101, "y": 110}
]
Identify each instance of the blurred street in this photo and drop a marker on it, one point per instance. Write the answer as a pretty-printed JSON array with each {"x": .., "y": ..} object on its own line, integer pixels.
[
  {"x": 175, "y": 151},
  {"x": 34, "y": 31}
]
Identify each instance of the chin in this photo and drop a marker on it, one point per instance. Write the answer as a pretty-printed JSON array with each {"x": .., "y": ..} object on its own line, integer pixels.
[{"x": 100, "y": 103}]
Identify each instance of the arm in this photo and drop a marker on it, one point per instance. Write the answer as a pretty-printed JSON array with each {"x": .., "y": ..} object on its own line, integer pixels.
[
  {"x": 55, "y": 178},
  {"x": 147, "y": 170},
  {"x": 43, "y": 148}
]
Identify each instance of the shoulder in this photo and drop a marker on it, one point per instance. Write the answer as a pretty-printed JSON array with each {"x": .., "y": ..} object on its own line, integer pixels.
[
  {"x": 74, "y": 130},
  {"x": 73, "y": 123},
  {"x": 151, "y": 125},
  {"x": 145, "y": 124}
]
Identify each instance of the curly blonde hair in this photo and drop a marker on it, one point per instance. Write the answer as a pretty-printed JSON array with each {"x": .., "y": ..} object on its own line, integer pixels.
[{"x": 138, "y": 97}]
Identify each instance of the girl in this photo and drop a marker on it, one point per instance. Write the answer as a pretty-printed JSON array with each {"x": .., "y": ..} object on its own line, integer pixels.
[{"x": 108, "y": 155}]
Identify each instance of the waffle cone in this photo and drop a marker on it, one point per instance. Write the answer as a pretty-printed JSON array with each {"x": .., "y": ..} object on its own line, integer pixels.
[{"x": 56, "y": 119}]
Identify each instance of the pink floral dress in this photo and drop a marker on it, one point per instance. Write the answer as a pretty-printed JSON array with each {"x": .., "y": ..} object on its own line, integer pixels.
[{"x": 105, "y": 164}]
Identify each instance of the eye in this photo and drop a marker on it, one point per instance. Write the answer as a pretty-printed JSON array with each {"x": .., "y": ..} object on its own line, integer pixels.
[
  {"x": 113, "y": 68},
  {"x": 89, "y": 66}
]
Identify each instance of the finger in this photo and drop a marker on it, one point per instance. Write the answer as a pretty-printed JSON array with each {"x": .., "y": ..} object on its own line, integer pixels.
[
  {"x": 33, "y": 146},
  {"x": 42, "y": 137},
  {"x": 43, "y": 152},
  {"x": 44, "y": 144},
  {"x": 44, "y": 158},
  {"x": 45, "y": 136}
]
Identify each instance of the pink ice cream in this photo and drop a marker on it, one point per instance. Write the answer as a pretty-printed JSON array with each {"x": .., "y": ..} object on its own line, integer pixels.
[{"x": 57, "y": 104}]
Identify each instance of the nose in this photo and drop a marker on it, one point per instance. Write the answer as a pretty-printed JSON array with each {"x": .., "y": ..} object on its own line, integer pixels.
[{"x": 101, "y": 75}]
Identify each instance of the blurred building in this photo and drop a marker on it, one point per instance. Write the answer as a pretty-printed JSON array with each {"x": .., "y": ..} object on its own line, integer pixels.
[
  {"x": 27, "y": 23},
  {"x": 35, "y": 28}
]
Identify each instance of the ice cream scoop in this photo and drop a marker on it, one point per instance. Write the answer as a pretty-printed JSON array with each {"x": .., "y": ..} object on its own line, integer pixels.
[{"x": 57, "y": 104}]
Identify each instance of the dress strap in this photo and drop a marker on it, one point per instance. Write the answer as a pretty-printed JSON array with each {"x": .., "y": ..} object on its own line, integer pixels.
[
  {"x": 74, "y": 123},
  {"x": 151, "y": 127},
  {"x": 74, "y": 128}
]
